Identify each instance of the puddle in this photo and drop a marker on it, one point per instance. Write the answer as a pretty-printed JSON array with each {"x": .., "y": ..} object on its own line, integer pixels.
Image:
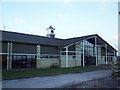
[
  {"x": 101, "y": 83},
  {"x": 108, "y": 82}
]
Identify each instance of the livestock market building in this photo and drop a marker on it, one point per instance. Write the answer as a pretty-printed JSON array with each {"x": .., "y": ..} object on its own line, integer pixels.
[{"x": 21, "y": 50}]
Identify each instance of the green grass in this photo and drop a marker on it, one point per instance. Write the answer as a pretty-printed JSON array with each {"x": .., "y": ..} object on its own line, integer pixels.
[{"x": 26, "y": 73}]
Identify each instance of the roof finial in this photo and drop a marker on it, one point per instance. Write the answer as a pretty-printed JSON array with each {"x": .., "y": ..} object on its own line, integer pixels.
[{"x": 3, "y": 27}]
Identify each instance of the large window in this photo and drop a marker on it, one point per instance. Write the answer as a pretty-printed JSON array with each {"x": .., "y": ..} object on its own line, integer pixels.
[
  {"x": 89, "y": 53},
  {"x": 43, "y": 56},
  {"x": 31, "y": 61},
  {"x": 71, "y": 50},
  {"x": 23, "y": 61}
]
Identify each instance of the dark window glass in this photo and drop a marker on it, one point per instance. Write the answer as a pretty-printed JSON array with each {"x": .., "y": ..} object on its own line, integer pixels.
[
  {"x": 4, "y": 61},
  {"x": 46, "y": 56},
  {"x": 73, "y": 56},
  {"x": 24, "y": 57},
  {"x": 51, "y": 56},
  {"x": 18, "y": 57},
  {"x": 23, "y": 61},
  {"x": 14, "y": 57}
]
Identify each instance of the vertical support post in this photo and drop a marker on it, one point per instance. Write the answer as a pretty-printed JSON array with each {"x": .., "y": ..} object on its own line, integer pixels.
[
  {"x": 96, "y": 50},
  {"x": 67, "y": 56},
  {"x": 8, "y": 55},
  {"x": 83, "y": 55},
  {"x": 38, "y": 57},
  {"x": 60, "y": 53},
  {"x": 106, "y": 53},
  {"x": 0, "y": 57},
  {"x": 114, "y": 58}
]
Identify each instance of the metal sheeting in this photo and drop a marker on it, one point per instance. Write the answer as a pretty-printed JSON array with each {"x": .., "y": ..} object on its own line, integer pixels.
[
  {"x": 4, "y": 47},
  {"x": 24, "y": 48},
  {"x": 27, "y": 38},
  {"x": 48, "y": 50}
]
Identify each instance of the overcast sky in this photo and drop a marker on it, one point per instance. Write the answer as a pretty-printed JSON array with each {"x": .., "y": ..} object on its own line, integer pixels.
[{"x": 70, "y": 19}]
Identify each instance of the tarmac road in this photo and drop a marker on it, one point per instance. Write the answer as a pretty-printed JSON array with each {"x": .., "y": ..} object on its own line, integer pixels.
[{"x": 55, "y": 80}]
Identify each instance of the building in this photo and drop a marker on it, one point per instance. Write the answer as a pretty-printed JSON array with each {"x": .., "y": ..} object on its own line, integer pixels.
[
  {"x": 119, "y": 29},
  {"x": 31, "y": 51}
]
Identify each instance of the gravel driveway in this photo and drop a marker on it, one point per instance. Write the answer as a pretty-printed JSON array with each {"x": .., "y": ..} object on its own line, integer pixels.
[{"x": 55, "y": 80}]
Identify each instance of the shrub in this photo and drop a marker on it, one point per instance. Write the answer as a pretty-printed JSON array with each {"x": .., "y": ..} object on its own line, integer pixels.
[{"x": 54, "y": 65}]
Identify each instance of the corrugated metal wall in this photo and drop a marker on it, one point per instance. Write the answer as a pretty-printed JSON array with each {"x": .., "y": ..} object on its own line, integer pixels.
[
  {"x": 24, "y": 48},
  {"x": 4, "y": 47},
  {"x": 48, "y": 50}
]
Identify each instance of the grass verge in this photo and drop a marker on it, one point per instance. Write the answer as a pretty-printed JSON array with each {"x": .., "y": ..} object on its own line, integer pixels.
[{"x": 37, "y": 72}]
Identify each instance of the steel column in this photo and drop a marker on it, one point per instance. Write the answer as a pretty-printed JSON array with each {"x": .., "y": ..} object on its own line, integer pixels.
[
  {"x": 38, "y": 57},
  {"x": 96, "y": 50},
  {"x": 66, "y": 56},
  {"x": 114, "y": 58},
  {"x": 10, "y": 53},
  {"x": 8, "y": 56},
  {"x": 83, "y": 56},
  {"x": 106, "y": 53}
]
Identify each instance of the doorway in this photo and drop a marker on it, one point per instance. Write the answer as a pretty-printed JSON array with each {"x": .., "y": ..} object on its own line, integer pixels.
[{"x": 23, "y": 61}]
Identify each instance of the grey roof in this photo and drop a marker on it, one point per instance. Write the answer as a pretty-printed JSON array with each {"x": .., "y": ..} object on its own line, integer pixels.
[
  {"x": 28, "y": 38},
  {"x": 35, "y": 39},
  {"x": 72, "y": 40}
]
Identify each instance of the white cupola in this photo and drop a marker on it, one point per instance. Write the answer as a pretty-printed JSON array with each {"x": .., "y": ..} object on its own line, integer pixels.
[{"x": 50, "y": 32}]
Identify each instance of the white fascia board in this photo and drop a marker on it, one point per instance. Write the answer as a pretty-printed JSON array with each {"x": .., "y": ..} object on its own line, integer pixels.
[{"x": 77, "y": 42}]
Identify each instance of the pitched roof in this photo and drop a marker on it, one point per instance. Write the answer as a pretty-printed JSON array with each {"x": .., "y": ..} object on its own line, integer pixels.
[
  {"x": 28, "y": 38},
  {"x": 72, "y": 40},
  {"x": 35, "y": 39}
]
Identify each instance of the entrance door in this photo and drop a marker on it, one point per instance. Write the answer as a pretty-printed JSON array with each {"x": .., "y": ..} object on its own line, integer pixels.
[
  {"x": 19, "y": 61},
  {"x": 24, "y": 61},
  {"x": 90, "y": 60},
  {"x": 33, "y": 62}
]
